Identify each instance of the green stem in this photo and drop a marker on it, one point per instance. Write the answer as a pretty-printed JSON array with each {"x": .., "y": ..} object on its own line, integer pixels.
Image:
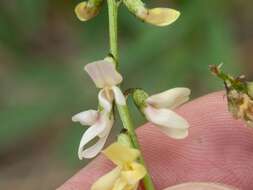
[
  {"x": 124, "y": 110},
  {"x": 113, "y": 28},
  {"x": 128, "y": 125}
]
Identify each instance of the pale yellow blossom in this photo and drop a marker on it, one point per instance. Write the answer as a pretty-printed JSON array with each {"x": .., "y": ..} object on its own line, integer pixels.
[{"x": 127, "y": 174}]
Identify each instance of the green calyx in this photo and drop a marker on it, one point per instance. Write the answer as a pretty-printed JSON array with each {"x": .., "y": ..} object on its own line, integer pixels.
[
  {"x": 96, "y": 3},
  {"x": 250, "y": 89},
  {"x": 139, "y": 97},
  {"x": 124, "y": 139},
  {"x": 134, "y": 6}
]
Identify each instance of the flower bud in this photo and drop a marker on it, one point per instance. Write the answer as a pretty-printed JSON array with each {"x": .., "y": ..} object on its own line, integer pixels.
[
  {"x": 87, "y": 10},
  {"x": 124, "y": 139},
  {"x": 155, "y": 16},
  {"x": 139, "y": 97}
]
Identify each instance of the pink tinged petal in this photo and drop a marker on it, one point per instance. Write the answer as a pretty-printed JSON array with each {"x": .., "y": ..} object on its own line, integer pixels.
[
  {"x": 169, "y": 122},
  {"x": 119, "y": 96},
  {"x": 105, "y": 99},
  {"x": 103, "y": 73},
  {"x": 86, "y": 118},
  {"x": 169, "y": 99},
  {"x": 95, "y": 149},
  {"x": 109, "y": 121},
  {"x": 94, "y": 131}
]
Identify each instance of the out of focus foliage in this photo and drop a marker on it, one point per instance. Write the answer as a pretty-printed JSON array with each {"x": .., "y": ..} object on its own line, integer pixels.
[{"x": 43, "y": 48}]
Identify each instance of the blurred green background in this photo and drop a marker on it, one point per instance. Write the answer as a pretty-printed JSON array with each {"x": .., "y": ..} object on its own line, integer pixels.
[{"x": 43, "y": 48}]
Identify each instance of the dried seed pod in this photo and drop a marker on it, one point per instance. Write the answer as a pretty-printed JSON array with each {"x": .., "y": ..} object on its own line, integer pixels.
[{"x": 239, "y": 95}]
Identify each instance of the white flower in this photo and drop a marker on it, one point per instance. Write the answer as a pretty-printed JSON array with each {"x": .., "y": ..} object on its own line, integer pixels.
[
  {"x": 158, "y": 111},
  {"x": 101, "y": 124},
  {"x": 106, "y": 77}
]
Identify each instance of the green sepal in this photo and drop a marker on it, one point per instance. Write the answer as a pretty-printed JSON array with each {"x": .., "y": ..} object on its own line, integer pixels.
[
  {"x": 139, "y": 97},
  {"x": 124, "y": 139}
]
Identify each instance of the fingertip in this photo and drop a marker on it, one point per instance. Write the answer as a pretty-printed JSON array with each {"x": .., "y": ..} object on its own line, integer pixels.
[
  {"x": 200, "y": 186},
  {"x": 88, "y": 175}
]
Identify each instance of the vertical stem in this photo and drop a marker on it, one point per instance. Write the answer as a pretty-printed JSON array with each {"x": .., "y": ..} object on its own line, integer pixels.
[
  {"x": 128, "y": 125},
  {"x": 113, "y": 28},
  {"x": 123, "y": 110}
]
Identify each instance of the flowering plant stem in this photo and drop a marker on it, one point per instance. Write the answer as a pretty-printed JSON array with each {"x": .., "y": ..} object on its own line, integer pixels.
[{"x": 124, "y": 110}]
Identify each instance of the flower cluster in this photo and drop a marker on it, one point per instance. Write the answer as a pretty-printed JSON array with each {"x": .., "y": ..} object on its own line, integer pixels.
[
  {"x": 155, "y": 16},
  {"x": 239, "y": 95},
  {"x": 157, "y": 108}
]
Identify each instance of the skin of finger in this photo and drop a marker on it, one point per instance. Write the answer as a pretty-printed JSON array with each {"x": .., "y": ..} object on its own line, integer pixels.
[
  {"x": 218, "y": 149},
  {"x": 200, "y": 186}
]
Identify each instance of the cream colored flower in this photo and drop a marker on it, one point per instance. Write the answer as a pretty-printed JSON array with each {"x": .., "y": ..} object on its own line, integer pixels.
[
  {"x": 127, "y": 174},
  {"x": 105, "y": 76},
  {"x": 158, "y": 110},
  {"x": 159, "y": 16}
]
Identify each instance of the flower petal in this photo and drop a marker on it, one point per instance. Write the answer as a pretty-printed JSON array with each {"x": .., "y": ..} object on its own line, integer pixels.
[
  {"x": 174, "y": 133},
  {"x": 169, "y": 98},
  {"x": 109, "y": 121},
  {"x": 134, "y": 175},
  {"x": 95, "y": 149},
  {"x": 171, "y": 123},
  {"x": 107, "y": 181},
  {"x": 103, "y": 73},
  {"x": 121, "y": 154},
  {"x": 105, "y": 99},
  {"x": 119, "y": 96},
  {"x": 86, "y": 117},
  {"x": 120, "y": 185},
  {"x": 161, "y": 16},
  {"x": 95, "y": 130}
]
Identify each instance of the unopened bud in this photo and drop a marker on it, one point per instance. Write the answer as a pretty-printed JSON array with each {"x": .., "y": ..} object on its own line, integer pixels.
[
  {"x": 87, "y": 10},
  {"x": 124, "y": 139},
  {"x": 139, "y": 97}
]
